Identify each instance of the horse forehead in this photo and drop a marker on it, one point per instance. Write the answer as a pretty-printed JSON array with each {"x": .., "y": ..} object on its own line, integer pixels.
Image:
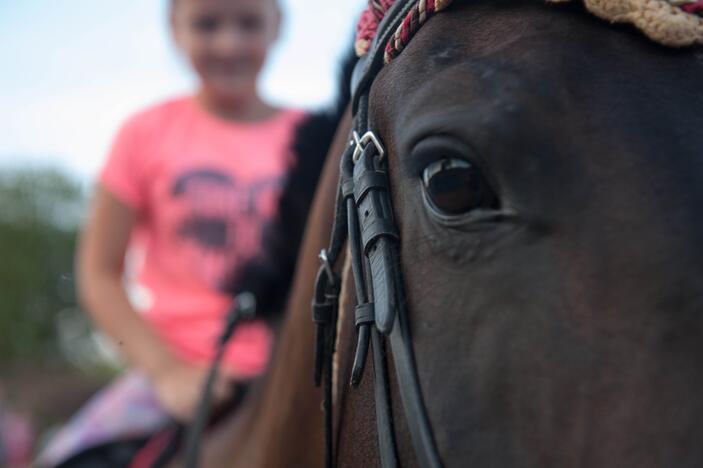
[
  {"x": 480, "y": 39},
  {"x": 529, "y": 32},
  {"x": 536, "y": 41}
]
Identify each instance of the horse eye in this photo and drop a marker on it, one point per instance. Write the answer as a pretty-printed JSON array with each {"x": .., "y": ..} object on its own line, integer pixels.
[{"x": 455, "y": 187}]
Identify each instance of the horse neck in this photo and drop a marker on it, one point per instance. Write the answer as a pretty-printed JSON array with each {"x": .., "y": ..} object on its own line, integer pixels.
[{"x": 283, "y": 426}]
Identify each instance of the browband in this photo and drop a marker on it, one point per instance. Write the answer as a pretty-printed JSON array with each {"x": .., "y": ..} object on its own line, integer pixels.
[{"x": 371, "y": 63}]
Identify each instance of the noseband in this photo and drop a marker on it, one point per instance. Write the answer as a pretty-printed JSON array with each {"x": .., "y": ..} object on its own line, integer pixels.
[{"x": 364, "y": 218}]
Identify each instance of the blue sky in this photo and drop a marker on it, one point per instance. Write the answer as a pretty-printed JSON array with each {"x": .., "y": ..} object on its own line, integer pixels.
[{"x": 71, "y": 71}]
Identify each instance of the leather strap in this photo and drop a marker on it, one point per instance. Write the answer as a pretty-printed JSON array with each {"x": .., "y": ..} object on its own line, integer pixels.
[
  {"x": 382, "y": 264},
  {"x": 243, "y": 309},
  {"x": 409, "y": 387},
  {"x": 378, "y": 230},
  {"x": 364, "y": 213},
  {"x": 368, "y": 66},
  {"x": 322, "y": 313},
  {"x": 364, "y": 314},
  {"x": 384, "y": 261},
  {"x": 384, "y": 417},
  {"x": 369, "y": 180},
  {"x": 379, "y": 237},
  {"x": 375, "y": 229}
]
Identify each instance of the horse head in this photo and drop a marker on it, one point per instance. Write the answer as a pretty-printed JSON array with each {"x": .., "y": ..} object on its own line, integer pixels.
[{"x": 546, "y": 175}]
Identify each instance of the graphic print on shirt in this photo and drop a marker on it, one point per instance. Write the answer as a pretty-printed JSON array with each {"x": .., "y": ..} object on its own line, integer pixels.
[{"x": 222, "y": 220}]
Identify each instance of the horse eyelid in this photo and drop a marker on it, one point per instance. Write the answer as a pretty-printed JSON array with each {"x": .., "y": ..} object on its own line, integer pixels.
[{"x": 436, "y": 148}]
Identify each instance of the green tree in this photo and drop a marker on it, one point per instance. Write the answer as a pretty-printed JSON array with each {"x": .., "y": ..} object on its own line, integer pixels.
[{"x": 40, "y": 211}]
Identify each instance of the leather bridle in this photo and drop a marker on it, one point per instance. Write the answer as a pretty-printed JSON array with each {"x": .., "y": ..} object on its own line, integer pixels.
[{"x": 364, "y": 218}]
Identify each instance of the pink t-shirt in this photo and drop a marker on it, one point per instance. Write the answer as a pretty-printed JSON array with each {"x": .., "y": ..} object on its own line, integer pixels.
[{"x": 204, "y": 190}]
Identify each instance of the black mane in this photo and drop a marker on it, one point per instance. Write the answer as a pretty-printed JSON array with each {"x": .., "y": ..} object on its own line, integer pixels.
[{"x": 269, "y": 275}]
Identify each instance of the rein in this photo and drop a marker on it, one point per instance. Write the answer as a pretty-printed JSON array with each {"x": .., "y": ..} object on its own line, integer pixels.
[
  {"x": 243, "y": 309},
  {"x": 364, "y": 218}
]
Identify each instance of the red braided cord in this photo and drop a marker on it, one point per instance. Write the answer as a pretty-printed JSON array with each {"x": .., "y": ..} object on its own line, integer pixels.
[
  {"x": 695, "y": 8},
  {"x": 368, "y": 24},
  {"x": 422, "y": 11}
]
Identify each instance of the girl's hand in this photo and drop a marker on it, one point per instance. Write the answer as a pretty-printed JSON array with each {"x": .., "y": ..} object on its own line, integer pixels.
[
  {"x": 100, "y": 259},
  {"x": 178, "y": 388}
]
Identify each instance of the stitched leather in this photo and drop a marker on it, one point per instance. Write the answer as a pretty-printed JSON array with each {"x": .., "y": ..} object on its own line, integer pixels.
[
  {"x": 382, "y": 264},
  {"x": 378, "y": 230}
]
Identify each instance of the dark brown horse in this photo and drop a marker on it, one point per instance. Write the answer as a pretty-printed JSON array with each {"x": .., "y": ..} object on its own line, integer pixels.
[
  {"x": 556, "y": 299},
  {"x": 555, "y": 307}
]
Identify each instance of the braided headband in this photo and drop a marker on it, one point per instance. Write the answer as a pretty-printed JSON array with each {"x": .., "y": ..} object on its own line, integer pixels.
[{"x": 674, "y": 23}]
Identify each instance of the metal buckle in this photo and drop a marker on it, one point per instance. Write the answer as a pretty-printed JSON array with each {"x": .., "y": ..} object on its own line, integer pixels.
[
  {"x": 369, "y": 137},
  {"x": 324, "y": 258}
]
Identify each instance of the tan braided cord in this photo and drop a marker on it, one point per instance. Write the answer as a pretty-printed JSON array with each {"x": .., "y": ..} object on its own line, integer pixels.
[{"x": 662, "y": 21}]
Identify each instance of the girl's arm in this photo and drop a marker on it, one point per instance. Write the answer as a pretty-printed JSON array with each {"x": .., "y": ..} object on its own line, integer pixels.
[{"x": 99, "y": 263}]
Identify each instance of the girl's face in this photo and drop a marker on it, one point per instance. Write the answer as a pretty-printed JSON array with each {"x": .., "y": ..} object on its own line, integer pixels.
[{"x": 226, "y": 41}]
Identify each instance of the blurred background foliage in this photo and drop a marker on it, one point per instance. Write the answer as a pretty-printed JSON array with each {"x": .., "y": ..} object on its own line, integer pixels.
[
  {"x": 40, "y": 212},
  {"x": 50, "y": 359}
]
